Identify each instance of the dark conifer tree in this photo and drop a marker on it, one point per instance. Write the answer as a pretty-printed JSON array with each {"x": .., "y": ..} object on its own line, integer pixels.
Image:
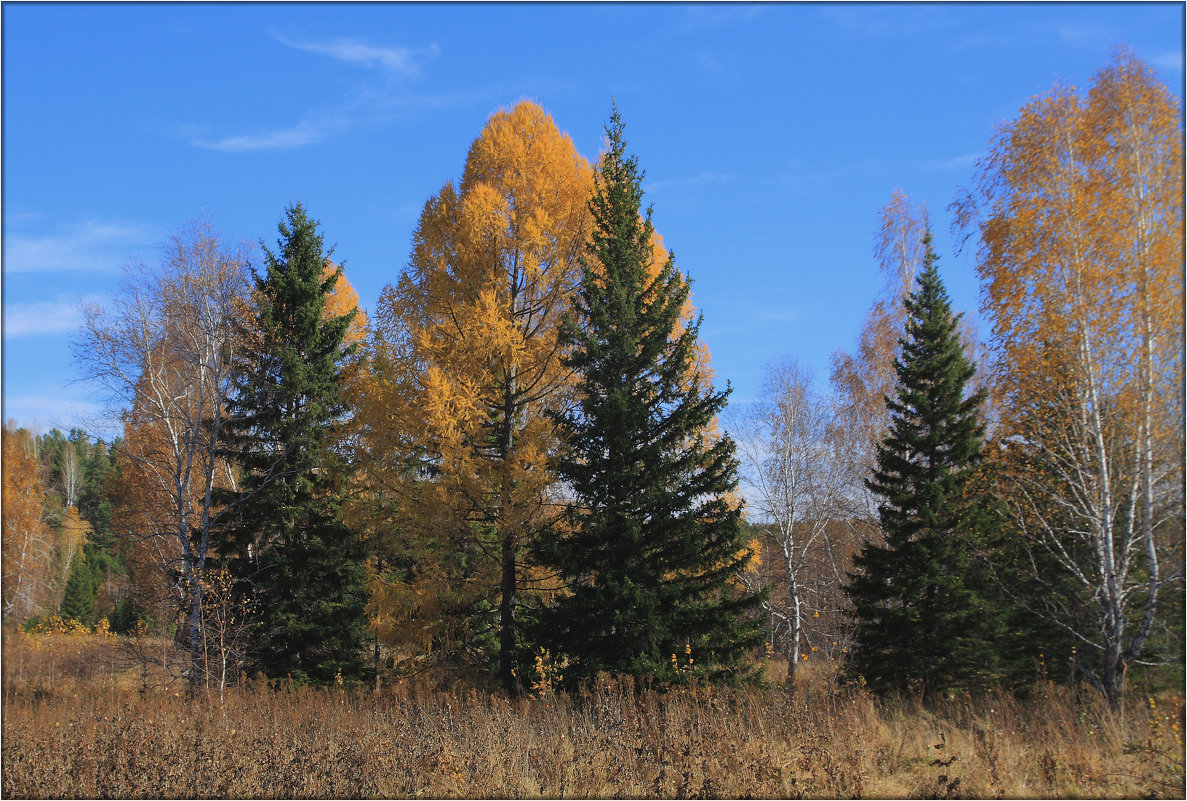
[
  {"x": 651, "y": 541},
  {"x": 923, "y": 603},
  {"x": 301, "y": 567},
  {"x": 78, "y": 597}
]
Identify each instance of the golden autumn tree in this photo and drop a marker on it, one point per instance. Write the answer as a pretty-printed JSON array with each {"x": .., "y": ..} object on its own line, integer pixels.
[
  {"x": 151, "y": 490},
  {"x": 342, "y": 300},
  {"x": 41, "y": 536},
  {"x": 463, "y": 370},
  {"x": 1079, "y": 208},
  {"x": 28, "y": 549}
]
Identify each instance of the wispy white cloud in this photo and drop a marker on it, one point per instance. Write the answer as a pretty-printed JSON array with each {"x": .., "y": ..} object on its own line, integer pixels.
[
  {"x": 802, "y": 173},
  {"x": 777, "y": 314},
  {"x": 1170, "y": 60},
  {"x": 41, "y": 412},
  {"x": 1026, "y": 35},
  {"x": 1083, "y": 35},
  {"x": 93, "y": 245},
  {"x": 766, "y": 312},
  {"x": 58, "y": 316},
  {"x": 954, "y": 162},
  {"x": 767, "y": 319},
  {"x": 956, "y": 32},
  {"x": 395, "y": 60},
  {"x": 307, "y": 132},
  {"x": 367, "y": 108},
  {"x": 368, "y": 103},
  {"x": 880, "y": 22}
]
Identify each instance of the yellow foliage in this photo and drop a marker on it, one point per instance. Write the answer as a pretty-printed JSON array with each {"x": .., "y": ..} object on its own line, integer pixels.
[
  {"x": 1080, "y": 211},
  {"x": 342, "y": 299},
  {"x": 56, "y": 624},
  {"x": 754, "y": 548},
  {"x": 27, "y": 547},
  {"x": 463, "y": 366},
  {"x": 1082, "y": 250}
]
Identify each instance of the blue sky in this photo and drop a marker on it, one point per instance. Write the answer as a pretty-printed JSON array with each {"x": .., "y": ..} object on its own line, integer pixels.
[{"x": 771, "y": 136}]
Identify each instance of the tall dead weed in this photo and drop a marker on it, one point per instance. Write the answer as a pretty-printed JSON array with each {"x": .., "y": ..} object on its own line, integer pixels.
[{"x": 100, "y": 737}]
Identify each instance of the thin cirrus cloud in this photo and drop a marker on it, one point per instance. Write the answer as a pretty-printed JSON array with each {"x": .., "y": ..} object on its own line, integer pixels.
[
  {"x": 90, "y": 246},
  {"x": 307, "y": 132},
  {"x": 57, "y": 317},
  {"x": 393, "y": 62},
  {"x": 962, "y": 161},
  {"x": 41, "y": 412},
  {"x": 1169, "y": 61},
  {"x": 711, "y": 17},
  {"x": 799, "y": 173}
]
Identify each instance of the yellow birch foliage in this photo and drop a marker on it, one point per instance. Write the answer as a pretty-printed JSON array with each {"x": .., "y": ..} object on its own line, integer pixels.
[
  {"x": 1080, "y": 212},
  {"x": 27, "y": 546},
  {"x": 1082, "y": 246}
]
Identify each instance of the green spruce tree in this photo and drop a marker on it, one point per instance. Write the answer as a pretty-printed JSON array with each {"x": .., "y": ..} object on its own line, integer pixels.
[
  {"x": 651, "y": 540},
  {"x": 300, "y": 565},
  {"x": 78, "y": 597},
  {"x": 923, "y": 600}
]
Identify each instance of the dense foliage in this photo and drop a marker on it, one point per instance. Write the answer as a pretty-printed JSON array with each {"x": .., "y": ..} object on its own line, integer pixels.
[
  {"x": 921, "y": 598},
  {"x": 469, "y": 487},
  {"x": 299, "y": 566},
  {"x": 651, "y": 540}
]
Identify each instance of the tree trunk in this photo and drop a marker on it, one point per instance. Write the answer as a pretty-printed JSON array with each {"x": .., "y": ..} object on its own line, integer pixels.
[
  {"x": 377, "y": 663},
  {"x": 508, "y": 583},
  {"x": 196, "y": 667},
  {"x": 507, "y": 617},
  {"x": 793, "y": 590},
  {"x": 796, "y": 629}
]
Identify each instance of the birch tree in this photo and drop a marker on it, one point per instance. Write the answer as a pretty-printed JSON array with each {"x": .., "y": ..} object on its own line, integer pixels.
[
  {"x": 165, "y": 351},
  {"x": 1079, "y": 208},
  {"x": 787, "y": 443}
]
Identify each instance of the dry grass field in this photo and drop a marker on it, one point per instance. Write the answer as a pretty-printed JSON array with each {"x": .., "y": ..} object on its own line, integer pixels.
[{"x": 78, "y": 721}]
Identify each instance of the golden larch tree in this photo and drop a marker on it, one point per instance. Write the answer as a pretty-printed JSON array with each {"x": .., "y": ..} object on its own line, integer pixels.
[
  {"x": 343, "y": 298},
  {"x": 464, "y": 368}
]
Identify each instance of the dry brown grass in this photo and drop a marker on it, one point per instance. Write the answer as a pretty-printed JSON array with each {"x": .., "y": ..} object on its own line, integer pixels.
[{"x": 96, "y": 735}]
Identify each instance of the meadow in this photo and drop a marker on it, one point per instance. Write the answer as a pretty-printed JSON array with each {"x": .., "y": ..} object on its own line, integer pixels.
[{"x": 80, "y": 721}]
